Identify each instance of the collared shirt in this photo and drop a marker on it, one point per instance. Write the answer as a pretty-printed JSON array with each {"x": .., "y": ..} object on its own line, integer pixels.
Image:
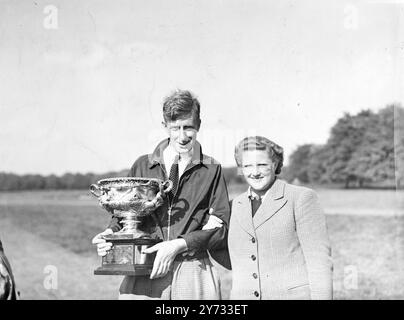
[
  {"x": 252, "y": 195},
  {"x": 169, "y": 155}
]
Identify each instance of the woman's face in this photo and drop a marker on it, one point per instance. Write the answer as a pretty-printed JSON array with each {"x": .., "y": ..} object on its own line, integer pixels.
[{"x": 258, "y": 169}]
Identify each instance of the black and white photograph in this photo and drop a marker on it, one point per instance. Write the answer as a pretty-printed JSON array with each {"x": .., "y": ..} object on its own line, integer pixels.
[{"x": 189, "y": 150}]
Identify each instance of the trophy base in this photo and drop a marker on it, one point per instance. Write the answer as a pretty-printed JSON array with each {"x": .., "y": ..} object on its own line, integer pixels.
[{"x": 126, "y": 257}]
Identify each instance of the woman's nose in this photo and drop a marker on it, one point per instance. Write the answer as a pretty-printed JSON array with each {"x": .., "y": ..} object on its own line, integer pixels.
[{"x": 255, "y": 171}]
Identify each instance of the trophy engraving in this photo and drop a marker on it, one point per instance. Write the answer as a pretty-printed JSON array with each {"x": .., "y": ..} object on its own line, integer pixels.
[{"x": 133, "y": 201}]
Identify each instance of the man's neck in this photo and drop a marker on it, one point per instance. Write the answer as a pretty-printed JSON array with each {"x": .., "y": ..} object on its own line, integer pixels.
[
  {"x": 169, "y": 155},
  {"x": 186, "y": 155}
]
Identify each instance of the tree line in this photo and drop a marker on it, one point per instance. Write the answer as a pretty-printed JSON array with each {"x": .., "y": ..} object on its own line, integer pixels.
[
  {"x": 365, "y": 149},
  {"x": 68, "y": 181},
  {"x": 71, "y": 181}
]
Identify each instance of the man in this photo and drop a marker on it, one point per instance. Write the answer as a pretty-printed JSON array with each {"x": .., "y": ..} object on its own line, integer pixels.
[
  {"x": 194, "y": 217},
  {"x": 278, "y": 242},
  {"x": 7, "y": 285}
]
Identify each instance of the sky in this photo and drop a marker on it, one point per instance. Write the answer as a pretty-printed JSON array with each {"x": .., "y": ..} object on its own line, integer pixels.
[{"x": 82, "y": 82}]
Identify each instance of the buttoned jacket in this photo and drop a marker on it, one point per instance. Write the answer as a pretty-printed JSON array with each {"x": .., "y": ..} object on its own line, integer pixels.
[{"x": 283, "y": 252}]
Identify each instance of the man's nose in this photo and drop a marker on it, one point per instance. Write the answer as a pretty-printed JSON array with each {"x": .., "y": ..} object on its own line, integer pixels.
[{"x": 182, "y": 134}]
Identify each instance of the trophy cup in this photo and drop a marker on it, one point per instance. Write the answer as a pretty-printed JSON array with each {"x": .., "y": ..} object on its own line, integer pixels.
[{"x": 134, "y": 201}]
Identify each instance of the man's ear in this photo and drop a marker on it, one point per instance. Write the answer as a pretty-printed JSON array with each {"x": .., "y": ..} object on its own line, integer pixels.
[{"x": 165, "y": 127}]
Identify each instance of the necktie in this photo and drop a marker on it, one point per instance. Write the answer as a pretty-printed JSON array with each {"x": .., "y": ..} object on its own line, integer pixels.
[
  {"x": 255, "y": 204},
  {"x": 174, "y": 177}
]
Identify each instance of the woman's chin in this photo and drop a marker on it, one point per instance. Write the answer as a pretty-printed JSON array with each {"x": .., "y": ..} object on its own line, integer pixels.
[{"x": 257, "y": 187}]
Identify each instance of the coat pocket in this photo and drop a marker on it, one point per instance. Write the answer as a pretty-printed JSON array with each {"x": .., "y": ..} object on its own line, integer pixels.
[
  {"x": 297, "y": 286},
  {"x": 299, "y": 292}
]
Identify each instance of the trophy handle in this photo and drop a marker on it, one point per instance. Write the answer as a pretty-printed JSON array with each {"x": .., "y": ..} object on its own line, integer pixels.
[
  {"x": 96, "y": 190},
  {"x": 169, "y": 184}
]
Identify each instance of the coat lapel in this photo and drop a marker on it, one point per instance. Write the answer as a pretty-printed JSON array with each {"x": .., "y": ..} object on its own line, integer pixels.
[
  {"x": 273, "y": 202},
  {"x": 244, "y": 215}
]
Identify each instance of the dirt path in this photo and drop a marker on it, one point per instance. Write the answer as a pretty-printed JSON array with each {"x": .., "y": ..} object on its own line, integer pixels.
[{"x": 34, "y": 260}]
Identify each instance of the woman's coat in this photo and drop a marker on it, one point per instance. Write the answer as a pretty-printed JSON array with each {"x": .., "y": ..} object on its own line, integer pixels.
[{"x": 284, "y": 251}]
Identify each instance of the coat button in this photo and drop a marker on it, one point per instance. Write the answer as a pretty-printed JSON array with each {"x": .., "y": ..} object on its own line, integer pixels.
[
  {"x": 253, "y": 240},
  {"x": 253, "y": 257},
  {"x": 256, "y": 294},
  {"x": 255, "y": 275}
]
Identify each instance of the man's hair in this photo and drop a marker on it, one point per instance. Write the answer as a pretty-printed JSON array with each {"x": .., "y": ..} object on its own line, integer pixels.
[
  {"x": 260, "y": 143},
  {"x": 181, "y": 104}
]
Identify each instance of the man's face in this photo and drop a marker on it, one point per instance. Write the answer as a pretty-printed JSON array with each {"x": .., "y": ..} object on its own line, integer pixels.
[
  {"x": 182, "y": 134},
  {"x": 258, "y": 169}
]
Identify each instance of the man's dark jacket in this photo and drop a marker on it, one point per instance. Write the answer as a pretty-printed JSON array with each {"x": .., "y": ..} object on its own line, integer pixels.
[{"x": 201, "y": 188}]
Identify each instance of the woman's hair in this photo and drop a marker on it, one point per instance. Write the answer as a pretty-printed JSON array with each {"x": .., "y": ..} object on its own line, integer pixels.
[
  {"x": 260, "y": 143},
  {"x": 181, "y": 104}
]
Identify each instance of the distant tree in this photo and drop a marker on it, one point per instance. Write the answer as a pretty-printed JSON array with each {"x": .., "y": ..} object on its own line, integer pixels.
[
  {"x": 347, "y": 135},
  {"x": 52, "y": 182},
  {"x": 231, "y": 175},
  {"x": 299, "y": 162},
  {"x": 317, "y": 169},
  {"x": 364, "y": 148},
  {"x": 375, "y": 156},
  {"x": 31, "y": 182},
  {"x": 82, "y": 181},
  {"x": 399, "y": 144},
  {"x": 9, "y": 181},
  {"x": 286, "y": 174}
]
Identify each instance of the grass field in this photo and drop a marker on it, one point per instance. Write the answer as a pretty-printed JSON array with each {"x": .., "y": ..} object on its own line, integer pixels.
[{"x": 42, "y": 229}]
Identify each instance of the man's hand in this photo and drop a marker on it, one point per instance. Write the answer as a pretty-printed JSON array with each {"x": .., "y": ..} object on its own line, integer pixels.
[
  {"x": 166, "y": 253},
  {"x": 102, "y": 245}
]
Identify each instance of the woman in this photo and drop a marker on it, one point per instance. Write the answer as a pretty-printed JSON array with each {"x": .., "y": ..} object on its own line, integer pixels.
[{"x": 278, "y": 242}]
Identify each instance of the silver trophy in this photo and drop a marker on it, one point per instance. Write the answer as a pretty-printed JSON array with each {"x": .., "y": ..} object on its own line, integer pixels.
[{"x": 133, "y": 201}]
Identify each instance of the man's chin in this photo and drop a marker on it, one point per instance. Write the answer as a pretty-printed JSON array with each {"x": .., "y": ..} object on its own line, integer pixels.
[{"x": 182, "y": 150}]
